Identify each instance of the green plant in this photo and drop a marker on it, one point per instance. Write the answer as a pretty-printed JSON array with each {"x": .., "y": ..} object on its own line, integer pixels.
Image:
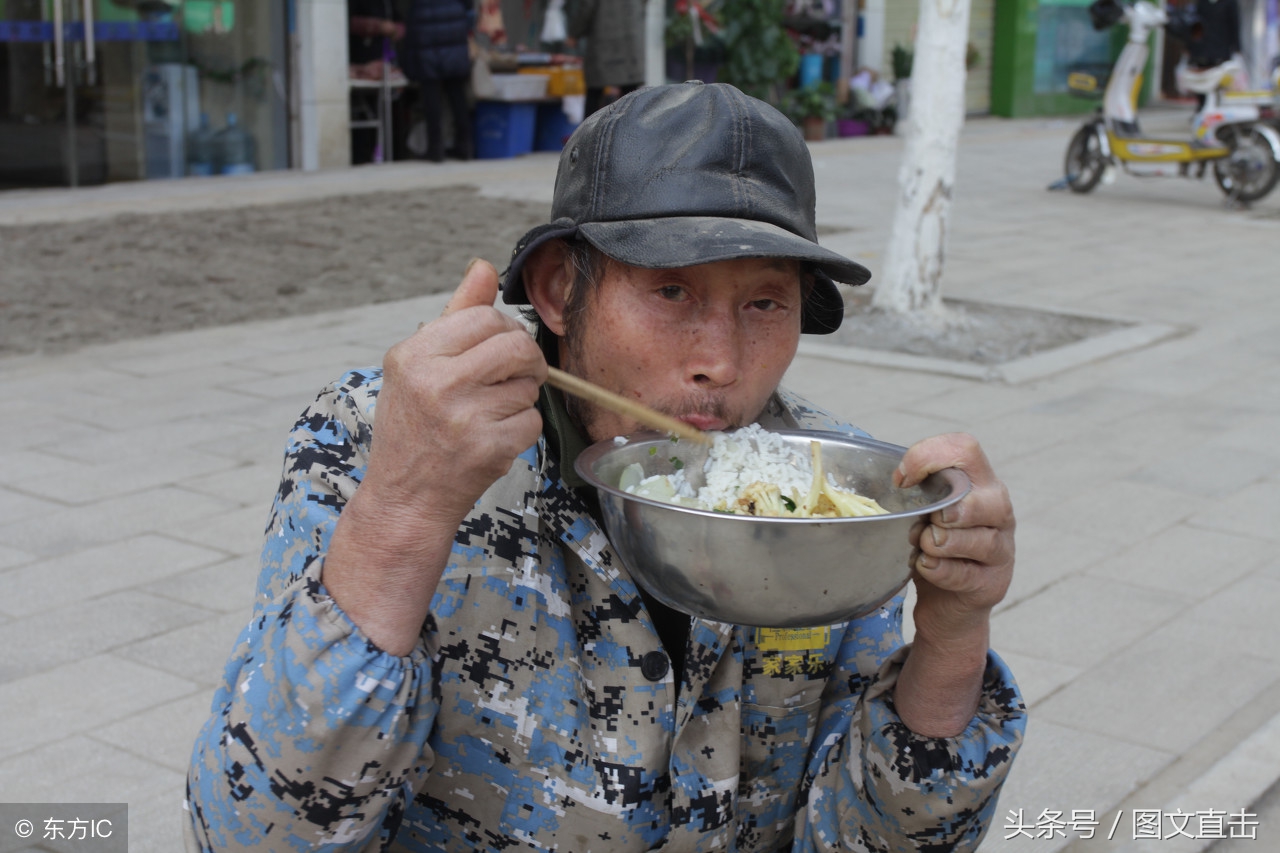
[
  {"x": 902, "y": 60},
  {"x": 818, "y": 101},
  {"x": 759, "y": 54},
  {"x": 972, "y": 56}
]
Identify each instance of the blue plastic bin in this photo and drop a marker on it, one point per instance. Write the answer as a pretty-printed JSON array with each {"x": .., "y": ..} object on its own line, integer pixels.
[
  {"x": 504, "y": 128},
  {"x": 810, "y": 70},
  {"x": 553, "y": 128}
]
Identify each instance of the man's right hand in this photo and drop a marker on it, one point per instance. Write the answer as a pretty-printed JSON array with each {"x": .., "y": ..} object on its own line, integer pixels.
[{"x": 455, "y": 408}]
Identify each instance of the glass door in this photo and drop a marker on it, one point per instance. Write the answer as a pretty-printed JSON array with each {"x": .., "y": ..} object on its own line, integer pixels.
[{"x": 93, "y": 91}]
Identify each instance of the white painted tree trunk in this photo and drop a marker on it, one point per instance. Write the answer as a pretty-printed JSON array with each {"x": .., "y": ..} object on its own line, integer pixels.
[{"x": 912, "y": 278}]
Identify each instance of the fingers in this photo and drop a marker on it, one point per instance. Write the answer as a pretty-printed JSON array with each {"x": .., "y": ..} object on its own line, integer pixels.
[
  {"x": 986, "y": 504},
  {"x": 966, "y": 549},
  {"x": 479, "y": 287}
]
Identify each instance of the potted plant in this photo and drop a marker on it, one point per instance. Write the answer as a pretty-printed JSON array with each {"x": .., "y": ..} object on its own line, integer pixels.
[
  {"x": 901, "y": 63},
  {"x": 811, "y": 108},
  {"x": 692, "y": 38},
  {"x": 759, "y": 54}
]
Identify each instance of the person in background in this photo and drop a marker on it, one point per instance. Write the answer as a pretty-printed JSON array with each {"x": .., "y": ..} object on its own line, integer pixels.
[
  {"x": 1215, "y": 34},
  {"x": 614, "y": 53},
  {"x": 371, "y": 25},
  {"x": 436, "y": 55}
]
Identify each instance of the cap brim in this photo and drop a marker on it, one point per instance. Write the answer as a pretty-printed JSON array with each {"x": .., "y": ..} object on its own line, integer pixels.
[{"x": 684, "y": 241}]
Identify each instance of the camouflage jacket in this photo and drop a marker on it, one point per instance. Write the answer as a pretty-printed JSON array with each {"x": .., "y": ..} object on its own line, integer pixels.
[{"x": 538, "y": 712}]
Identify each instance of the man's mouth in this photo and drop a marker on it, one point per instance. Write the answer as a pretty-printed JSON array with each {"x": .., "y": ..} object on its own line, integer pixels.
[{"x": 705, "y": 423}]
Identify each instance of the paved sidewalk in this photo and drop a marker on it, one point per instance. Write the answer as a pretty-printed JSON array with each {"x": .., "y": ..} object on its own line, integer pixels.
[{"x": 1141, "y": 623}]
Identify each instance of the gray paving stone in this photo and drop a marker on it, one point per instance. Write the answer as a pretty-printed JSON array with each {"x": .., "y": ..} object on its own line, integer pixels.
[
  {"x": 1067, "y": 769},
  {"x": 1042, "y": 482},
  {"x": 1046, "y": 556},
  {"x": 45, "y": 430},
  {"x": 145, "y": 440},
  {"x": 55, "y": 637},
  {"x": 1255, "y": 434},
  {"x": 10, "y": 557},
  {"x": 116, "y": 478},
  {"x": 1082, "y": 621},
  {"x": 1037, "y": 678},
  {"x": 247, "y": 484},
  {"x": 225, "y": 587},
  {"x": 1166, "y": 690},
  {"x": 1122, "y": 511},
  {"x": 163, "y": 734},
  {"x": 238, "y": 532},
  {"x": 79, "y": 696},
  {"x": 83, "y": 770},
  {"x": 197, "y": 652},
  {"x": 123, "y": 416},
  {"x": 59, "y": 581},
  {"x": 148, "y": 388},
  {"x": 75, "y": 528},
  {"x": 1244, "y": 614},
  {"x": 299, "y": 388},
  {"x": 15, "y": 506},
  {"x": 304, "y": 359},
  {"x": 1249, "y": 512},
  {"x": 1185, "y": 559},
  {"x": 24, "y": 465}
]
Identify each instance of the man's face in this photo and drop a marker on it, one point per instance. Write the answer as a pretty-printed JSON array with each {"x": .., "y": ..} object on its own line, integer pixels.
[{"x": 706, "y": 344}]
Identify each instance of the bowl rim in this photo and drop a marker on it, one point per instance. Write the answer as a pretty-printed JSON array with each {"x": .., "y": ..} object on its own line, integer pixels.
[{"x": 956, "y": 479}]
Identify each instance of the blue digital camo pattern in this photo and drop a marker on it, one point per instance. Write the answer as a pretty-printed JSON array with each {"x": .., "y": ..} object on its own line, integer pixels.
[{"x": 525, "y": 720}]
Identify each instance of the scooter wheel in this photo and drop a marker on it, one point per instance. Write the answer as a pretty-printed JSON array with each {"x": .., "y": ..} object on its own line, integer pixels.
[
  {"x": 1250, "y": 171},
  {"x": 1085, "y": 161}
]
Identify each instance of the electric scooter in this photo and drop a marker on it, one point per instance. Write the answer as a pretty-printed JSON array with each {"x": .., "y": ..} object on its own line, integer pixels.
[{"x": 1228, "y": 134}]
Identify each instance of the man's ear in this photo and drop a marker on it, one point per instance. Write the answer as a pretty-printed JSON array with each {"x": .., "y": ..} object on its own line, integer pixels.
[{"x": 548, "y": 275}]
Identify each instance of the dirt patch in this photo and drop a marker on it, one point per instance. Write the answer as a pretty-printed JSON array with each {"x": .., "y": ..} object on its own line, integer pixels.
[
  {"x": 68, "y": 285},
  {"x": 975, "y": 332}
]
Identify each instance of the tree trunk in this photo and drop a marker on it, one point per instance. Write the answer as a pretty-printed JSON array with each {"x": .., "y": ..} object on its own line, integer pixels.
[{"x": 912, "y": 279}]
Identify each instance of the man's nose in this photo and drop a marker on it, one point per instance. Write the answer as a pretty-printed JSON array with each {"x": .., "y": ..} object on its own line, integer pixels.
[{"x": 715, "y": 352}]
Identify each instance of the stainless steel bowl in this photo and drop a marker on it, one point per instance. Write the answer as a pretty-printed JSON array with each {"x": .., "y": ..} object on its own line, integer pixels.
[{"x": 766, "y": 572}]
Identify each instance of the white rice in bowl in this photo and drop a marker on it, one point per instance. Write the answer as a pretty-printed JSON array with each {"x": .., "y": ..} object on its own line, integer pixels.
[{"x": 739, "y": 463}]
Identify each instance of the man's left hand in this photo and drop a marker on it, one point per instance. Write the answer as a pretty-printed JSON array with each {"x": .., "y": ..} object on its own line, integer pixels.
[
  {"x": 964, "y": 555},
  {"x": 963, "y": 563}
]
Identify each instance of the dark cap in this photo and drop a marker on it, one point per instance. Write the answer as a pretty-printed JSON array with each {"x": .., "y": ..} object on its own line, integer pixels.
[{"x": 686, "y": 174}]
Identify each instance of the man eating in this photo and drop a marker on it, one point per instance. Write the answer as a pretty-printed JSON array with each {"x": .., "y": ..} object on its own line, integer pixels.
[{"x": 446, "y": 653}]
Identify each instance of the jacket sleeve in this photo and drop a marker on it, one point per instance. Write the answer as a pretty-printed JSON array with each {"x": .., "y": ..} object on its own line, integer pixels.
[
  {"x": 317, "y": 738},
  {"x": 874, "y": 784}
]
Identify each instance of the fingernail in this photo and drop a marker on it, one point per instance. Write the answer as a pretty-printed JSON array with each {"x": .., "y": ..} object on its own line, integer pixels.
[
  {"x": 471, "y": 263},
  {"x": 939, "y": 535},
  {"x": 927, "y": 563},
  {"x": 949, "y": 515}
]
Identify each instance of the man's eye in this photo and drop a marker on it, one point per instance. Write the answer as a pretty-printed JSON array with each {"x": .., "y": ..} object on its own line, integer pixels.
[
  {"x": 672, "y": 292},
  {"x": 765, "y": 305}
]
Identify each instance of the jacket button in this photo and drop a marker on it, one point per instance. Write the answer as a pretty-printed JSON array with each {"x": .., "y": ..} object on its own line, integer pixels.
[{"x": 654, "y": 666}]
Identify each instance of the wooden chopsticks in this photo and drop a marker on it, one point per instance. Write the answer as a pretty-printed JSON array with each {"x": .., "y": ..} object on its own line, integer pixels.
[{"x": 571, "y": 384}]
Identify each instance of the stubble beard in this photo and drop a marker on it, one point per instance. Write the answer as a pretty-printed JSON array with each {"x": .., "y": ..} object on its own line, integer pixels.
[{"x": 587, "y": 416}]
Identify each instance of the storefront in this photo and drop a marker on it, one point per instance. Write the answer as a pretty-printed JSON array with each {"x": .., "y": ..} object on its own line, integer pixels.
[
  {"x": 93, "y": 91},
  {"x": 1038, "y": 44}
]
